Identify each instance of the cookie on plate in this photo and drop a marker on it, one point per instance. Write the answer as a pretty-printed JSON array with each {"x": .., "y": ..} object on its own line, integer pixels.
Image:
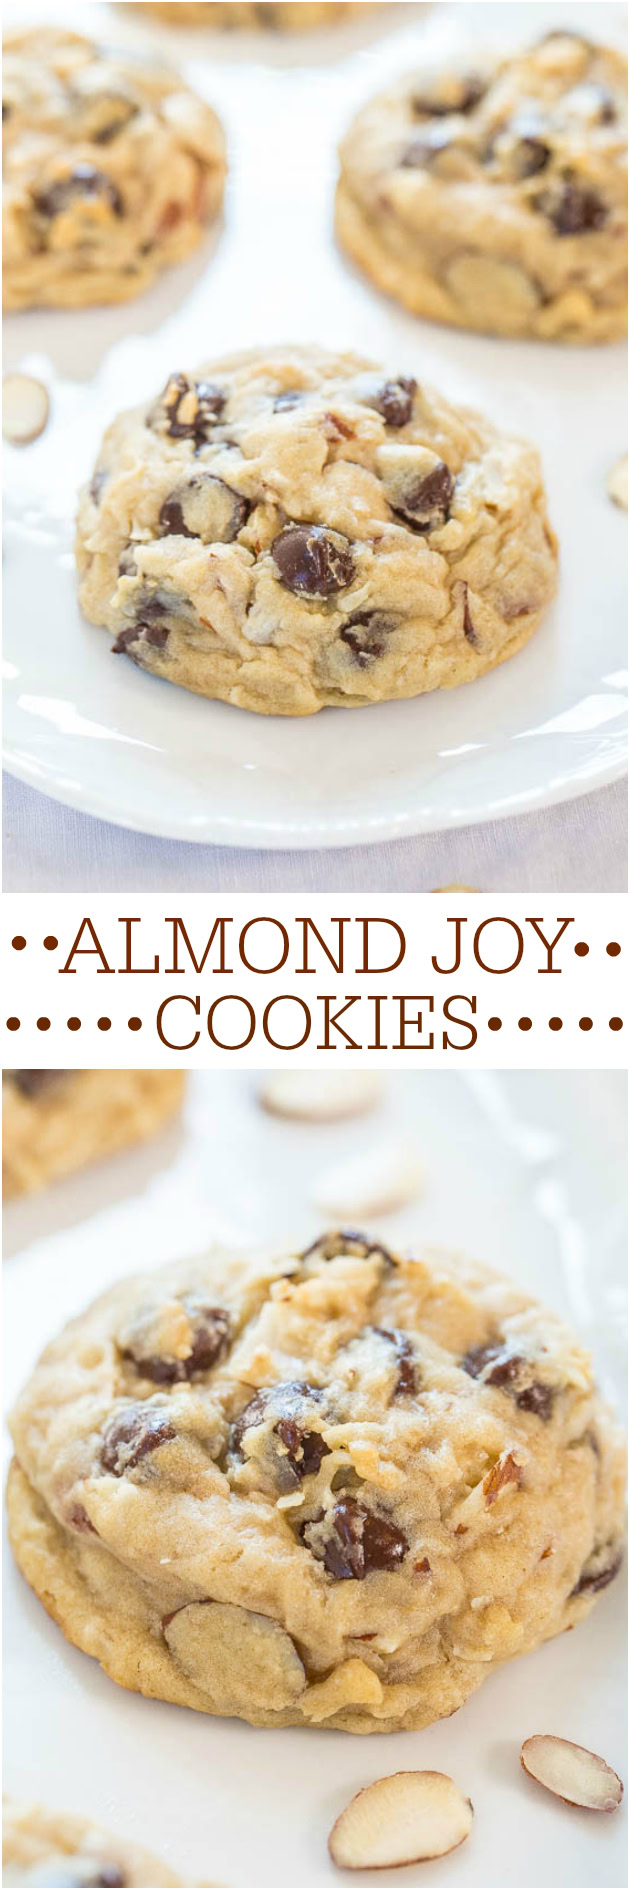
[
  {"x": 285, "y": 17},
  {"x": 496, "y": 198},
  {"x": 293, "y": 529},
  {"x": 54, "y": 1121},
  {"x": 48, "y": 1847},
  {"x": 333, "y": 1491},
  {"x": 112, "y": 169}
]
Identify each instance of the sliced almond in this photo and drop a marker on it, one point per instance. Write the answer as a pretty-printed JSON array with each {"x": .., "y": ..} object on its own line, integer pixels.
[
  {"x": 618, "y": 483},
  {"x": 320, "y": 1095},
  {"x": 25, "y": 408},
  {"x": 573, "y": 1773},
  {"x": 404, "y": 1819},
  {"x": 380, "y": 1180}
]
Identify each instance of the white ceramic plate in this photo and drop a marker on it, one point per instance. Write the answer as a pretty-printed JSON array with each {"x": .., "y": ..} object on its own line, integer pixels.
[
  {"x": 540, "y": 1171},
  {"x": 97, "y": 733}
]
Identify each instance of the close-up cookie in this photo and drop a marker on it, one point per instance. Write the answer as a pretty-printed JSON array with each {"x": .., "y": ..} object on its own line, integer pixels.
[
  {"x": 285, "y": 17},
  {"x": 55, "y": 1121},
  {"x": 495, "y": 197},
  {"x": 113, "y": 169},
  {"x": 337, "y": 1490},
  {"x": 41, "y": 1847},
  {"x": 293, "y": 529}
]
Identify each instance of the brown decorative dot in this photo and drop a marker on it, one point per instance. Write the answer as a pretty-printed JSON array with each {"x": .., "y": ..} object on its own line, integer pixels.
[
  {"x": 615, "y": 1023},
  {"x": 13, "y": 1023},
  {"x": 50, "y": 942},
  {"x": 586, "y": 1023},
  {"x": 134, "y": 1023},
  {"x": 74, "y": 1023},
  {"x": 18, "y": 942},
  {"x": 495, "y": 1023},
  {"x": 581, "y": 950},
  {"x": 613, "y": 949},
  {"x": 555, "y": 1023},
  {"x": 524, "y": 1023},
  {"x": 104, "y": 1023},
  {"x": 43, "y": 1023}
]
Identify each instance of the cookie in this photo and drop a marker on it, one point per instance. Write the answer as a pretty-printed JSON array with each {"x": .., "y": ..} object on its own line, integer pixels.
[
  {"x": 283, "y": 18},
  {"x": 495, "y": 198},
  {"x": 112, "y": 170},
  {"x": 46, "y": 1847},
  {"x": 54, "y": 1121},
  {"x": 297, "y": 529},
  {"x": 336, "y": 1490}
]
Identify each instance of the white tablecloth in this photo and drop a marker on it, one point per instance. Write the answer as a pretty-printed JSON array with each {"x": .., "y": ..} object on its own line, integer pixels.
[{"x": 580, "y": 846}]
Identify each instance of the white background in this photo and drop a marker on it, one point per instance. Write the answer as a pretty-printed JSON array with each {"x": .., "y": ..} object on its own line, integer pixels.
[{"x": 528, "y": 1172}]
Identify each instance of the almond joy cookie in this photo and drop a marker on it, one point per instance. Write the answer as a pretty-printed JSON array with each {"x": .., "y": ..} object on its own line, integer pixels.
[
  {"x": 46, "y": 1848},
  {"x": 55, "y": 1121},
  {"x": 285, "y": 16},
  {"x": 112, "y": 170},
  {"x": 333, "y": 1491},
  {"x": 295, "y": 529},
  {"x": 496, "y": 199}
]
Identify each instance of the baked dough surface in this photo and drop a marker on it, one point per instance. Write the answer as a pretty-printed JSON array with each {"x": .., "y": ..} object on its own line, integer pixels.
[{"x": 55, "y": 1121}]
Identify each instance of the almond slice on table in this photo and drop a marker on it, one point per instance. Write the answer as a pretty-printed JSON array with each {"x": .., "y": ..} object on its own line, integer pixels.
[
  {"x": 405, "y": 1819},
  {"x": 319, "y": 1095},
  {"x": 573, "y": 1773},
  {"x": 617, "y": 483},
  {"x": 380, "y": 1180},
  {"x": 25, "y": 408}
]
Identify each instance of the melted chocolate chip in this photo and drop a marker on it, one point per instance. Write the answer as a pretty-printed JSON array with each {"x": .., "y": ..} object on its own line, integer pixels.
[
  {"x": 303, "y": 1449},
  {"x": 154, "y": 634},
  {"x": 206, "y": 508},
  {"x": 407, "y": 1382},
  {"x": 471, "y": 91},
  {"x": 188, "y": 409},
  {"x": 576, "y": 211},
  {"x": 502, "y": 1368},
  {"x": 425, "y": 503},
  {"x": 366, "y": 635},
  {"x": 30, "y": 1082},
  {"x": 394, "y": 400},
  {"x": 131, "y": 1435},
  {"x": 84, "y": 182},
  {"x": 151, "y": 608},
  {"x": 360, "y": 1542},
  {"x": 312, "y": 561},
  {"x": 531, "y": 155},
  {"x": 211, "y": 1337},
  {"x": 468, "y": 625},
  {"x": 345, "y": 1241},
  {"x": 592, "y": 1580}
]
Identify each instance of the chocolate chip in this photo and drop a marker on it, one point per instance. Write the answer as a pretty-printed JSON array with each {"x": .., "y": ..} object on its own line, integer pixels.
[
  {"x": 85, "y": 182},
  {"x": 313, "y": 561},
  {"x": 366, "y": 635},
  {"x": 468, "y": 625},
  {"x": 592, "y": 1579},
  {"x": 30, "y": 1082},
  {"x": 211, "y": 1328},
  {"x": 531, "y": 155},
  {"x": 394, "y": 400},
  {"x": 360, "y": 1542},
  {"x": 407, "y": 1381},
  {"x": 426, "y": 502},
  {"x": 503, "y": 1369},
  {"x": 141, "y": 633},
  {"x": 133, "y": 1434},
  {"x": 576, "y": 211},
  {"x": 188, "y": 409},
  {"x": 471, "y": 91},
  {"x": 206, "y": 508},
  {"x": 303, "y": 1448},
  {"x": 77, "y": 1518},
  {"x": 345, "y": 1241}
]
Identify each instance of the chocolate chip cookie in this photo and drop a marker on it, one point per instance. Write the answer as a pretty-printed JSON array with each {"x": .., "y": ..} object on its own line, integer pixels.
[
  {"x": 54, "y": 1121},
  {"x": 496, "y": 198},
  {"x": 297, "y": 529},
  {"x": 285, "y": 17},
  {"x": 44, "y": 1847},
  {"x": 112, "y": 170},
  {"x": 335, "y": 1490}
]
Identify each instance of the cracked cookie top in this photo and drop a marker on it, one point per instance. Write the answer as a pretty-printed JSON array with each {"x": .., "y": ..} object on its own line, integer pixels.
[
  {"x": 316, "y": 1480},
  {"x": 111, "y": 169}
]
